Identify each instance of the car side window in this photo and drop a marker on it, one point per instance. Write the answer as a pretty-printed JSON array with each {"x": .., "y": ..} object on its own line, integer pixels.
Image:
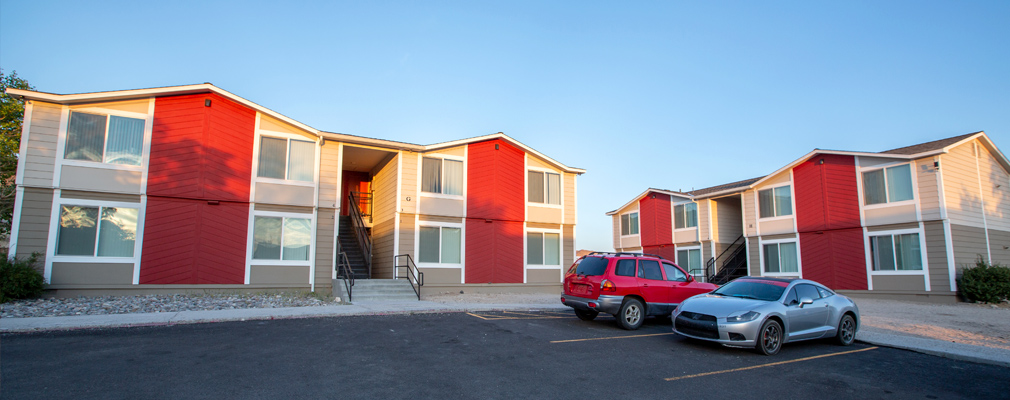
[
  {"x": 824, "y": 292},
  {"x": 673, "y": 273},
  {"x": 625, "y": 267},
  {"x": 810, "y": 291},
  {"x": 649, "y": 269},
  {"x": 791, "y": 299}
]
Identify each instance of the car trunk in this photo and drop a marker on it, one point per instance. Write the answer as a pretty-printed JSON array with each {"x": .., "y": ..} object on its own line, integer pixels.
[{"x": 585, "y": 281}]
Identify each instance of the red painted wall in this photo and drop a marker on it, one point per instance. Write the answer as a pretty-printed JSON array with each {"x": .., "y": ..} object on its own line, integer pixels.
[
  {"x": 198, "y": 154},
  {"x": 353, "y": 181},
  {"x": 655, "y": 219},
  {"x": 496, "y": 208},
  {"x": 667, "y": 251},
  {"x": 827, "y": 216}
]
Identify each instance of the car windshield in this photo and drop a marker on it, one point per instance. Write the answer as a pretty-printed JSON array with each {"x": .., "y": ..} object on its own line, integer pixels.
[
  {"x": 592, "y": 266},
  {"x": 757, "y": 289}
]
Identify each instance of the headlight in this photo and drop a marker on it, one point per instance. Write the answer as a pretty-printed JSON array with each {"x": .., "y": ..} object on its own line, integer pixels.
[{"x": 741, "y": 316}]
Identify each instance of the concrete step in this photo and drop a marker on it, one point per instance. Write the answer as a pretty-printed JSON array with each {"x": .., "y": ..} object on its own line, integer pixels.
[{"x": 382, "y": 290}]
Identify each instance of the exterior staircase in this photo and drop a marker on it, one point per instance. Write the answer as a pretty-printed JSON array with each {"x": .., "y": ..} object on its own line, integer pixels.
[
  {"x": 349, "y": 245},
  {"x": 383, "y": 290}
]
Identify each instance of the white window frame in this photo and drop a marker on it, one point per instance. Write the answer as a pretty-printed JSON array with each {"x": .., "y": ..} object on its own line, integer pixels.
[
  {"x": 799, "y": 258},
  {"x": 250, "y": 261},
  {"x": 620, "y": 223},
  {"x": 54, "y": 228},
  {"x": 443, "y": 157},
  {"x": 61, "y": 141},
  {"x": 260, "y": 133},
  {"x": 924, "y": 272},
  {"x": 792, "y": 201},
  {"x": 561, "y": 249},
  {"x": 440, "y": 225},
  {"x": 701, "y": 256},
  {"x": 561, "y": 187},
  {"x": 673, "y": 213},
  {"x": 888, "y": 202}
]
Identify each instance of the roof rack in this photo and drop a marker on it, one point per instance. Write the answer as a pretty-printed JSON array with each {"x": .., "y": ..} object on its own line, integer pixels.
[{"x": 622, "y": 253}]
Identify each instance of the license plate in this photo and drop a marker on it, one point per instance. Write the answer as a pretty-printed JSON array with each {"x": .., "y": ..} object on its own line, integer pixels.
[{"x": 580, "y": 288}]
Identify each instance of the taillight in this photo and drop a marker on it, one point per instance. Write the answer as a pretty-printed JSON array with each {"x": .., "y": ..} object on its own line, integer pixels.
[{"x": 607, "y": 286}]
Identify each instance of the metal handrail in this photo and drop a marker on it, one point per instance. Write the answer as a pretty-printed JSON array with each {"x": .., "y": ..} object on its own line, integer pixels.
[
  {"x": 360, "y": 232},
  {"x": 413, "y": 275},
  {"x": 364, "y": 203},
  {"x": 344, "y": 265}
]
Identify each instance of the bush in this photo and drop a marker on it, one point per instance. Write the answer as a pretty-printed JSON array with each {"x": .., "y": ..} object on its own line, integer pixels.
[
  {"x": 19, "y": 279},
  {"x": 987, "y": 283}
]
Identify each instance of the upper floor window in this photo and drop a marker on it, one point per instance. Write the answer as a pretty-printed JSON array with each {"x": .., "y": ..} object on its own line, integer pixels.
[
  {"x": 443, "y": 176},
  {"x": 776, "y": 202},
  {"x": 896, "y": 252},
  {"x": 629, "y": 224},
  {"x": 440, "y": 245},
  {"x": 290, "y": 159},
  {"x": 104, "y": 138},
  {"x": 543, "y": 248},
  {"x": 96, "y": 231},
  {"x": 281, "y": 238},
  {"x": 781, "y": 258},
  {"x": 544, "y": 187},
  {"x": 685, "y": 216},
  {"x": 887, "y": 185}
]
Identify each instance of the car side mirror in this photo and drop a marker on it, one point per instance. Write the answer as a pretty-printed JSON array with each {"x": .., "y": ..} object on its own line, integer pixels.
[
  {"x": 690, "y": 278},
  {"x": 805, "y": 301}
]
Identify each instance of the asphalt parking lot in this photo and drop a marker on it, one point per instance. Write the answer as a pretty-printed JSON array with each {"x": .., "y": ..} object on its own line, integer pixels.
[{"x": 504, "y": 354}]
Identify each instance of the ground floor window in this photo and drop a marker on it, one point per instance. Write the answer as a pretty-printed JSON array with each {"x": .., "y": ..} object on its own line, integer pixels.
[
  {"x": 440, "y": 244},
  {"x": 690, "y": 260},
  {"x": 97, "y": 231},
  {"x": 896, "y": 252},
  {"x": 543, "y": 248},
  {"x": 781, "y": 258},
  {"x": 282, "y": 238}
]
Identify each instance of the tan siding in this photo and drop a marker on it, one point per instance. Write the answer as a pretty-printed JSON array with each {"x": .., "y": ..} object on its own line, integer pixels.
[
  {"x": 407, "y": 232},
  {"x": 537, "y": 225},
  {"x": 441, "y": 276},
  {"x": 329, "y": 169},
  {"x": 91, "y": 274},
  {"x": 408, "y": 183},
  {"x": 996, "y": 191},
  {"x": 936, "y": 257},
  {"x": 384, "y": 213},
  {"x": 100, "y": 179},
  {"x": 703, "y": 228},
  {"x": 286, "y": 209},
  {"x": 543, "y": 275},
  {"x": 729, "y": 219},
  {"x": 434, "y": 218},
  {"x": 33, "y": 228},
  {"x": 533, "y": 161},
  {"x": 969, "y": 244},
  {"x": 750, "y": 224},
  {"x": 891, "y": 227},
  {"x": 272, "y": 124},
  {"x": 617, "y": 231},
  {"x": 568, "y": 248},
  {"x": 776, "y": 180},
  {"x": 74, "y": 194},
  {"x": 279, "y": 275},
  {"x": 459, "y": 151},
  {"x": 754, "y": 248},
  {"x": 324, "y": 248},
  {"x": 899, "y": 283},
  {"x": 569, "y": 199},
  {"x": 137, "y": 106},
  {"x": 960, "y": 186},
  {"x": 284, "y": 194},
  {"x": 929, "y": 192},
  {"x": 41, "y": 158}
]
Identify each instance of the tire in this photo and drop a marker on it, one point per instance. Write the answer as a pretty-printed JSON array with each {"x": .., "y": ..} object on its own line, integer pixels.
[
  {"x": 586, "y": 315},
  {"x": 769, "y": 339},
  {"x": 846, "y": 331},
  {"x": 632, "y": 314}
]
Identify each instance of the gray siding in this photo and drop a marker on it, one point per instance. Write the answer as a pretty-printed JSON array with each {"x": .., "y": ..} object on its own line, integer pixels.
[
  {"x": 91, "y": 274},
  {"x": 40, "y": 159},
  {"x": 936, "y": 257},
  {"x": 100, "y": 179},
  {"x": 407, "y": 235},
  {"x": 568, "y": 248},
  {"x": 999, "y": 242},
  {"x": 543, "y": 276},
  {"x": 754, "y": 248},
  {"x": 279, "y": 275},
  {"x": 125, "y": 198},
  {"x": 280, "y": 208},
  {"x": 324, "y": 247},
  {"x": 33, "y": 229},
  {"x": 969, "y": 244}
]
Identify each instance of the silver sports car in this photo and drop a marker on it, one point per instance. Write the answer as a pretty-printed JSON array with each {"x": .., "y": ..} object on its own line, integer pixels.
[{"x": 764, "y": 313}]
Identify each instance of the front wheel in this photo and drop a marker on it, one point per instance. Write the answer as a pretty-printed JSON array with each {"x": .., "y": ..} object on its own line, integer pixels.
[
  {"x": 632, "y": 314},
  {"x": 769, "y": 339},
  {"x": 846, "y": 331},
  {"x": 586, "y": 315}
]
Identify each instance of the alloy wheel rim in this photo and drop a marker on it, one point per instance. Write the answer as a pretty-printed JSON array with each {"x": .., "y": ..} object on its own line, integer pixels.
[
  {"x": 632, "y": 315},
  {"x": 847, "y": 330},
  {"x": 770, "y": 339}
]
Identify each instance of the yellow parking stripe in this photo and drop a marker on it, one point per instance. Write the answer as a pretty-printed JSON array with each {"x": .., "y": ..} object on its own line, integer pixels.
[
  {"x": 611, "y": 337},
  {"x": 769, "y": 365}
]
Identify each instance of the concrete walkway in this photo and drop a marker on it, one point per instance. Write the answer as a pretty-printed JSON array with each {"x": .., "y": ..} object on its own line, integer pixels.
[{"x": 958, "y": 331}]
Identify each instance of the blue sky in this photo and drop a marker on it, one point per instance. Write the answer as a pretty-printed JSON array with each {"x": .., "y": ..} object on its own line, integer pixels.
[{"x": 674, "y": 95}]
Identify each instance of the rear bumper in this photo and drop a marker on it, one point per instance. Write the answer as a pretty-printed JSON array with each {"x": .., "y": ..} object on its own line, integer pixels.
[{"x": 604, "y": 304}]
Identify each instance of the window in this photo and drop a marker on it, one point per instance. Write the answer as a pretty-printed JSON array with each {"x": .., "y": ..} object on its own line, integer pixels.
[
  {"x": 97, "y": 231},
  {"x": 625, "y": 267},
  {"x": 104, "y": 138},
  {"x": 887, "y": 185},
  {"x": 896, "y": 252},
  {"x": 781, "y": 258},
  {"x": 282, "y": 238},
  {"x": 629, "y": 224},
  {"x": 685, "y": 215},
  {"x": 441, "y": 245},
  {"x": 775, "y": 202},
  {"x": 649, "y": 269},
  {"x": 691, "y": 260},
  {"x": 543, "y": 248},
  {"x": 442, "y": 176},
  {"x": 544, "y": 187},
  {"x": 290, "y": 159},
  {"x": 673, "y": 273},
  {"x": 807, "y": 291}
]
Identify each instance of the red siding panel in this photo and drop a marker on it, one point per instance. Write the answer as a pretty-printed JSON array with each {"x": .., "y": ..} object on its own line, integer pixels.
[
  {"x": 826, "y": 193},
  {"x": 667, "y": 251},
  {"x": 494, "y": 251},
  {"x": 655, "y": 220},
  {"x": 193, "y": 242},
  {"x": 835, "y": 258},
  {"x": 495, "y": 181}
]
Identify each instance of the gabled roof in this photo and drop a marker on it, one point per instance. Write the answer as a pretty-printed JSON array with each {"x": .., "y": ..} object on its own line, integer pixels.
[
  {"x": 120, "y": 95},
  {"x": 725, "y": 188},
  {"x": 646, "y": 192},
  {"x": 930, "y": 146}
]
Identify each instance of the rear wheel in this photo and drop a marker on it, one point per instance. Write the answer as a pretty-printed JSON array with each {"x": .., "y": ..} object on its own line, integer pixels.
[
  {"x": 846, "y": 330},
  {"x": 631, "y": 315},
  {"x": 769, "y": 339},
  {"x": 586, "y": 315}
]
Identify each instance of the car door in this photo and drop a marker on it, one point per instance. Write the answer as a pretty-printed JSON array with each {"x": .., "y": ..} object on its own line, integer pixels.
[
  {"x": 680, "y": 287},
  {"x": 655, "y": 289},
  {"x": 806, "y": 321}
]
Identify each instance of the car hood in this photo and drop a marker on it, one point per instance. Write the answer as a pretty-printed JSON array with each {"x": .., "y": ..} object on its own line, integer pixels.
[{"x": 720, "y": 306}]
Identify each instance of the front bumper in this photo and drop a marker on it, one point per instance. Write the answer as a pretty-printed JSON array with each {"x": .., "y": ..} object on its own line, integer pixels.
[
  {"x": 604, "y": 304},
  {"x": 741, "y": 334}
]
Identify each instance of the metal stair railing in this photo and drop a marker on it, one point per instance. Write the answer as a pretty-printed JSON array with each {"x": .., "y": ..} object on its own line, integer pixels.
[
  {"x": 360, "y": 231},
  {"x": 344, "y": 266},
  {"x": 413, "y": 275}
]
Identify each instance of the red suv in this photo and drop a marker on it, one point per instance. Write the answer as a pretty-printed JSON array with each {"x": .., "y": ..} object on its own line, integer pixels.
[{"x": 628, "y": 285}]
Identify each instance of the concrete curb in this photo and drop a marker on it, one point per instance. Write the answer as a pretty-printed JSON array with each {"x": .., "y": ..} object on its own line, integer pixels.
[{"x": 939, "y": 348}]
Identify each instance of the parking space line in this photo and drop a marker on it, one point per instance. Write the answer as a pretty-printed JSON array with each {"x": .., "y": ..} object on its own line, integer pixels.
[
  {"x": 610, "y": 337},
  {"x": 769, "y": 364},
  {"x": 523, "y": 316}
]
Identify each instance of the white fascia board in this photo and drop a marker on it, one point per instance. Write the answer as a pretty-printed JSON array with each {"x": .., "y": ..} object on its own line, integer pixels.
[
  {"x": 646, "y": 192},
  {"x": 500, "y": 135}
]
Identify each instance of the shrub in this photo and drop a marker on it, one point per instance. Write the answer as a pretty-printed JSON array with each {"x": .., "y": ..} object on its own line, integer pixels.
[
  {"x": 987, "y": 283},
  {"x": 19, "y": 279}
]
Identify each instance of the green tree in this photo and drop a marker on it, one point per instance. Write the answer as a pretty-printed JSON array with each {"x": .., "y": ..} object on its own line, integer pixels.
[{"x": 12, "y": 112}]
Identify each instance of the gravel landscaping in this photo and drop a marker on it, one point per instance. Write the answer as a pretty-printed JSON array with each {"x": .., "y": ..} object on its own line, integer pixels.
[{"x": 58, "y": 307}]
